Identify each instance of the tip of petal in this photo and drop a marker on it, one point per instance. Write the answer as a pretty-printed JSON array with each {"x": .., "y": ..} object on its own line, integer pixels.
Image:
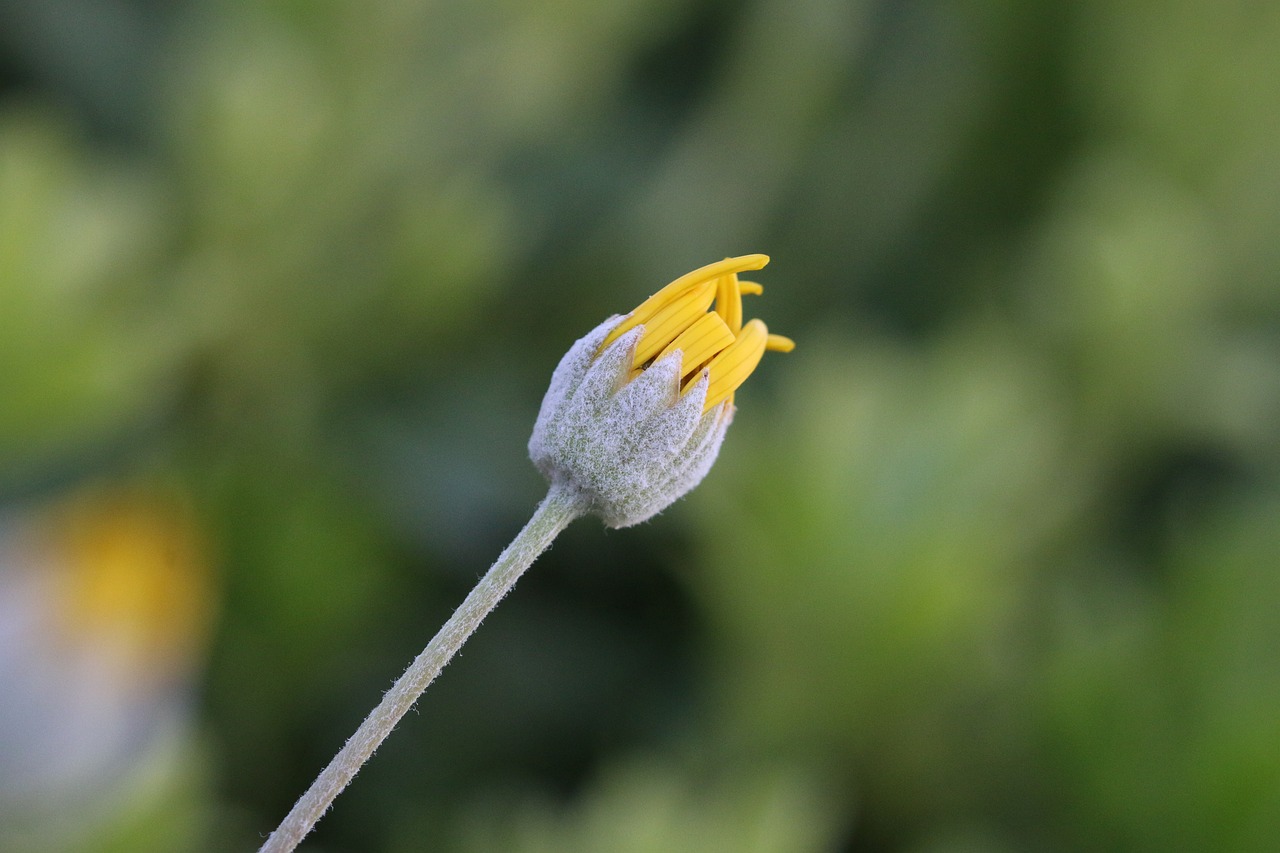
[
  {"x": 751, "y": 262},
  {"x": 779, "y": 343}
]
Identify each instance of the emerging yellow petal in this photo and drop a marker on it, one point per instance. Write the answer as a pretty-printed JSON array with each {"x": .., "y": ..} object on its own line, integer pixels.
[
  {"x": 701, "y": 341},
  {"x": 735, "y": 363},
  {"x": 680, "y": 317},
  {"x": 779, "y": 343},
  {"x": 673, "y": 319},
  {"x": 655, "y": 303},
  {"x": 729, "y": 302}
]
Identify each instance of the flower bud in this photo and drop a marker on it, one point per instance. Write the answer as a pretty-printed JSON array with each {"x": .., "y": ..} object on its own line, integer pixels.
[{"x": 638, "y": 408}]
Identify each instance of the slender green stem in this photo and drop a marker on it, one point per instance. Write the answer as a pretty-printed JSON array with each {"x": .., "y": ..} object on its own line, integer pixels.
[{"x": 561, "y": 506}]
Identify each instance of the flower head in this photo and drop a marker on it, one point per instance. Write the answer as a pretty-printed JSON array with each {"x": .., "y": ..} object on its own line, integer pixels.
[
  {"x": 105, "y": 602},
  {"x": 638, "y": 408}
]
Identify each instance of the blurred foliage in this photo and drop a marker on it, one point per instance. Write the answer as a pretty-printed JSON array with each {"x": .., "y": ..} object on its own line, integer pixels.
[{"x": 989, "y": 563}]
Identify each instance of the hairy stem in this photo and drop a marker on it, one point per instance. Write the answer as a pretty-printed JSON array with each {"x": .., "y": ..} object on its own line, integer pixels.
[{"x": 561, "y": 506}]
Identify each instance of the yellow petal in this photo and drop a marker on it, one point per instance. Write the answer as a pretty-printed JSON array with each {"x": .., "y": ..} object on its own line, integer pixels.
[
  {"x": 735, "y": 363},
  {"x": 676, "y": 316},
  {"x": 706, "y": 337},
  {"x": 729, "y": 302},
  {"x": 655, "y": 303},
  {"x": 779, "y": 343},
  {"x": 750, "y": 288}
]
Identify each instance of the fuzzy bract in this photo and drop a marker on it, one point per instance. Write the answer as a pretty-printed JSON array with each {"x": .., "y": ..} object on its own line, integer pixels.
[{"x": 629, "y": 446}]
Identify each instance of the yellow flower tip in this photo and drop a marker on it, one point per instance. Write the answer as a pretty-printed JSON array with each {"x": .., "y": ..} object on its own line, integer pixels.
[
  {"x": 679, "y": 317},
  {"x": 647, "y": 310},
  {"x": 779, "y": 343},
  {"x": 742, "y": 263}
]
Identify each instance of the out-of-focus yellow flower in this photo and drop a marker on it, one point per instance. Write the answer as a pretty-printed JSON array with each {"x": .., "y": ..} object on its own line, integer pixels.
[
  {"x": 106, "y": 601},
  {"x": 132, "y": 577}
]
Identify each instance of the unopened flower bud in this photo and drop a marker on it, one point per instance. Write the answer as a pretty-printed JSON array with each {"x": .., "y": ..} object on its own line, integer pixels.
[{"x": 638, "y": 408}]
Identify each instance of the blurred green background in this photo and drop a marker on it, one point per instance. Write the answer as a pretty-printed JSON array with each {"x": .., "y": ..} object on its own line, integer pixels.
[{"x": 988, "y": 564}]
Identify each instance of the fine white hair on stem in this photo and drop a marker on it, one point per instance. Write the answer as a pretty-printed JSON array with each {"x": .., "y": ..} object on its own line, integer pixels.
[{"x": 561, "y": 506}]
